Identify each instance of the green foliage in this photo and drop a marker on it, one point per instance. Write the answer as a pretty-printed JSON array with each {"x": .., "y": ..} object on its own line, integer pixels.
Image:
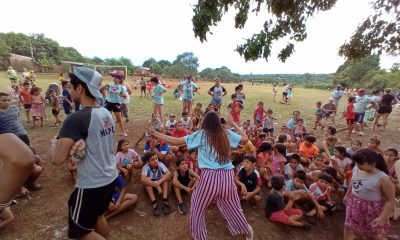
[
  {"x": 287, "y": 19},
  {"x": 355, "y": 73},
  {"x": 71, "y": 54},
  {"x": 222, "y": 73},
  {"x": 148, "y": 62},
  {"x": 189, "y": 63},
  {"x": 5, "y": 49},
  {"x": 379, "y": 33},
  {"x": 155, "y": 68},
  {"x": 164, "y": 63}
]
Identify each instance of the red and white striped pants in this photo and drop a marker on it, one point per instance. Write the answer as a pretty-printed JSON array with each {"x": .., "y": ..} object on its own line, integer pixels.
[{"x": 216, "y": 186}]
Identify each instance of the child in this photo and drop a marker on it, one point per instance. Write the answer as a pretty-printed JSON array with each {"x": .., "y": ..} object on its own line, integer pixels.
[
  {"x": 321, "y": 190},
  {"x": 61, "y": 77},
  {"x": 248, "y": 179},
  {"x": 155, "y": 176},
  {"x": 318, "y": 163},
  {"x": 184, "y": 180},
  {"x": 127, "y": 159},
  {"x": 191, "y": 161},
  {"x": 329, "y": 145},
  {"x": 6, "y": 217},
  {"x": 210, "y": 108},
  {"x": 149, "y": 87},
  {"x": 263, "y": 162},
  {"x": 293, "y": 166},
  {"x": 350, "y": 116},
  {"x": 299, "y": 132},
  {"x": 121, "y": 200},
  {"x": 26, "y": 99},
  {"x": 259, "y": 113},
  {"x": 235, "y": 107},
  {"x": 268, "y": 123},
  {"x": 170, "y": 124},
  {"x": 373, "y": 144},
  {"x": 274, "y": 92},
  {"x": 340, "y": 161},
  {"x": 186, "y": 120},
  {"x": 275, "y": 208},
  {"x": 158, "y": 99},
  {"x": 285, "y": 131},
  {"x": 178, "y": 132},
  {"x": 154, "y": 122},
  {"x": 355, "y": 146},
  {"x": 278, "y": 159},
  {"x": 308, "y": 150},
  {"x": 67, "y": 99},
  {"x": 38, "y": 108},
  {"x": 318, "y": 116},
  {"x": 198, "y": 112},
  {"x": 55, "y": 107},
  {"x": 391, "y": 157}
]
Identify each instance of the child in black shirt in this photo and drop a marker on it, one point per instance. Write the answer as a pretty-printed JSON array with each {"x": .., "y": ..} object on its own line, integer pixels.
[{"x": 248, "y": 179}]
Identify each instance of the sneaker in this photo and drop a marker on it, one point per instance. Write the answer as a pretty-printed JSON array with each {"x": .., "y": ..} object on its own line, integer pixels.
[
  {"x": 182, "y": 208},
  {"x": 251, "y": 234},
  {"x": 166, "y": 208},
  {"x": 156, "y": 210}
]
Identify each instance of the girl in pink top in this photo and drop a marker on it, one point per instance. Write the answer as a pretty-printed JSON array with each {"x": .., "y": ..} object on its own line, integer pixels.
[
  {"x": 278, "y": 159},
  {"x": 259, "y": 113},
  {"x": 263, "y": 160},
  {"x": 127, "y": 159},
  {"x": 38, "y": 109}
]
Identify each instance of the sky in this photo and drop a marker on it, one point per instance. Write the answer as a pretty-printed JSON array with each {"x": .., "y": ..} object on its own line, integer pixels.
[{"x": 160, "y": 29}]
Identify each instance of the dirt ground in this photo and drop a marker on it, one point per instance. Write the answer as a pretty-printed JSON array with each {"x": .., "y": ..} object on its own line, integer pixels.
[{"x": 45, "y": 215}]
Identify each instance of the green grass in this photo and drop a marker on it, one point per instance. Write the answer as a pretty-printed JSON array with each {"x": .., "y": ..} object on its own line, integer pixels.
[{"x": 140, "y": 108}]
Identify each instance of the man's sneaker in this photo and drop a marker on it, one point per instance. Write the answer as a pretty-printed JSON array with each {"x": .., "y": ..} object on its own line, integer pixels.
[
  {"x": 182, "y": 208},
  {"x": 156, "y": 210},
  {"x": 166, "y": 208}
]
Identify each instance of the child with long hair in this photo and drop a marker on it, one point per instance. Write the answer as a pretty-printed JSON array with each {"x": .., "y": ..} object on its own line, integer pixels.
[
  {"x": 268, "y": 123},
  {"x": 355, "y": 145},
  {"x": 259, "y": 113},
  {"x": 127, "y": 159},
  {"x": 235, "y": 107},
  {"x": 38, "y": 108},
  {"x": 158, "y": 99},
  {"x": 350, "y": 116},
  {"x": 263, "y": 153},
  {"x": 26, "y": 98},
  {"x": 278, "y": 159}
]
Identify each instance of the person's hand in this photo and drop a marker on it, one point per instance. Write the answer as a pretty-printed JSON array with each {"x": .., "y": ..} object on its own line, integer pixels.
[
  {"x": 188, "y": 190},
  {"x": 243, "y": 190},
  {"x": 149, "y": 128},
  {"x": 320, "y": 212},
  {"x": 345, "y": 199},
  {"x": 159, "y": 189},
  {"x": 125, "y": 171},
  {"x": 379, "y": 221},
  {"x": 246, "y": 197}
]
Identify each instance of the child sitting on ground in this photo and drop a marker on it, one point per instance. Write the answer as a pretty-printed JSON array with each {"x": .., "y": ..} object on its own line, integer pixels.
[
  {"x": 318, "y": 163},
  {"x": 264, "y": 153},
  {"x": 155, "y": 177},
  {"x": 275, "y": 208},
  {"x": 308, "y": 150},
  {"x": 248, "y": 179},
  {"x": 186, "y": 121},
  {"x": 340, "y": 161},
  {"x": 178, "y": 132},
  {"x": 374, "y": 145},
  {"x": 278, "y": 159},
  {"x": 154, "y": 122},
  {"x": 299, "y": 132},
  {"x": 321, "y": 190},
  {"x": 127, "y": 159},
  {"x": 354, "y": 146},
  {"x": 121, "y": 200},
  {"x": 191, "y": 161},
  {"x": 328, "y": 146},
  {"x": 293, "y": 166},
  {"x": 170, "y": 124},
  {"x": 184, "y": 180}
]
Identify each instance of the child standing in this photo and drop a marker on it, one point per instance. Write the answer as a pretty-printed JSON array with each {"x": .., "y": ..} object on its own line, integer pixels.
[
  {"x": 158, "y": 98},
  {"x": 248, "y": 179},
  {"x": 55, "y": 107},
  {"x": 67, "y": 99},
  {"x": 184, "y": 180},
  {"x": 275, "y": 208},
  {"x": 318, "y": 116},
  {"x": 259, "y": 113},
  {"x": 235, "y": 107},
  {"x": 274, "y": 92},
  {"x": 127, "y": 159},
  {"x": 26, "y": 99},
  {"x": 38, "y": 108},
  {"x": 155, "y": 176},
  {"x": 268, "y": 123},
  {"x": 350, "y": 116}
]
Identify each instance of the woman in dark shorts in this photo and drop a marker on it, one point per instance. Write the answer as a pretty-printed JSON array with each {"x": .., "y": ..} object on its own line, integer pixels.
[{"x": 385, "y": 108}]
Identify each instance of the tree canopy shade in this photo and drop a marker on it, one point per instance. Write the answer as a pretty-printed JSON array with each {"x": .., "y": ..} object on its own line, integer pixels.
[{"x": 287, "y": 19}]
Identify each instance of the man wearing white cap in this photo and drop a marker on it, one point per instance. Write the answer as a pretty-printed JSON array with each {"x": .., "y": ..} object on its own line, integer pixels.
[{"x": 93, "y": 130}]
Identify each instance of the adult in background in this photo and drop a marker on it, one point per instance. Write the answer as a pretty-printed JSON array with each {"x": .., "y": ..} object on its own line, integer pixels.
[
  {"x": 239, "y": 93},
  {"x": 370, "y": 198},
  {"x": 291, "y": 124},
  {"x": 188, "y": 88},
  {"x": 329, "y": 110},
  {"x": 285, "y": 93},
  {"x": 360, "y": 106},
  {"x": 337, "y": 94},
  {"x": 217, "y": 92},
  {"x": 216, "y": 183},
  {"x": 92, "y": 132},
  {"x": 385, "y": 108}
]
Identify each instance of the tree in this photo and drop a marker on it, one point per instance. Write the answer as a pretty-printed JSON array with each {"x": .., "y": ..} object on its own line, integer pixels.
[
  {"x": 155, "y": 68},
  {"x": 148, "y": 62},
  {"x": 71, "y": 54},
  {"x": 188, "y": 61},
  {"x": 164, "y": 63},
  {"x": 379, "y": 33},
  {"x": 5, "y": 49},
  {"x": 287, "y": 20}
]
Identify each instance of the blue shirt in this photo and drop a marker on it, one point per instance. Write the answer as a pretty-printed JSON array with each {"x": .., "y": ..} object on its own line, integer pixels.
[
  {"x": 290, "y": 186},
  {"x": 208, "y": 159},
  {"x": 157, "y": 91},
  {"x": 162, "y": 148},
  {"x": 188, "y": 89}
]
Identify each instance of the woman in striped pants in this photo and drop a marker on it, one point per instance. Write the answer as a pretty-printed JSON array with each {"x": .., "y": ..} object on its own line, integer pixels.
[{"x": 216, "y": 178}]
